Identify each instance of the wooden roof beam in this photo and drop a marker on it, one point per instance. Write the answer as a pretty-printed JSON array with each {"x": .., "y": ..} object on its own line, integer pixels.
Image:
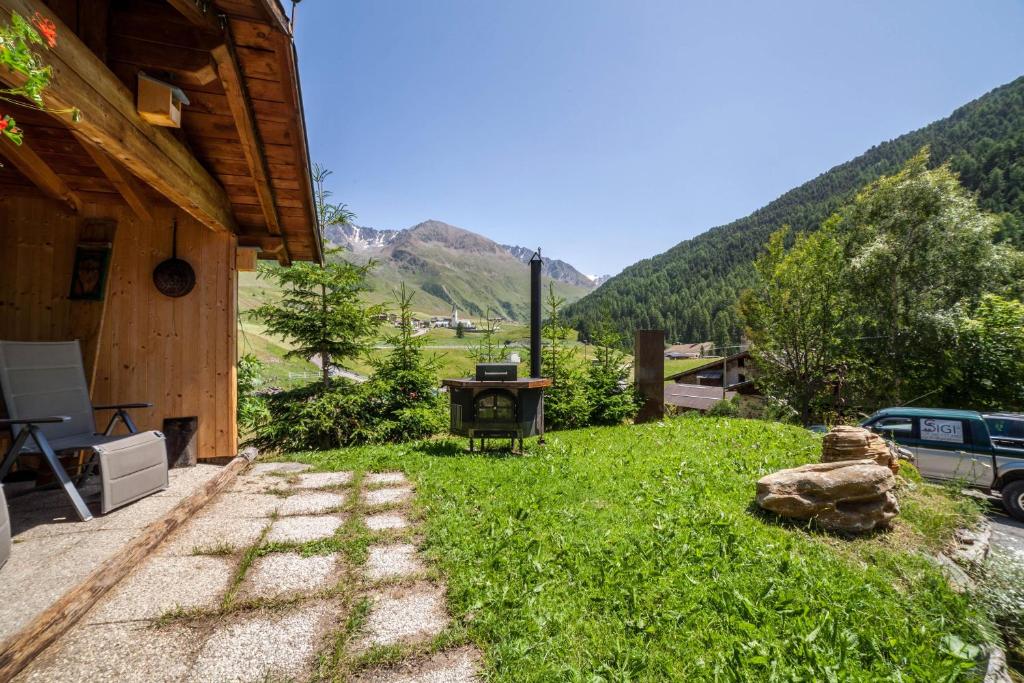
[
  {"x": 199, "y": 12},
  {"x": 245, "y": 123},
  {"x": 39, "y": 173},
  {"x": 122, "y": 180},
  {"x": 110, "y": 121},
  {"x": 272, "y": 245}
]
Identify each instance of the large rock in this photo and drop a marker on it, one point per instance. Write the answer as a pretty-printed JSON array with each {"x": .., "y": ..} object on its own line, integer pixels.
[
  {"x": 848, "y": 495},
  {"x": 857, "y": 443}
]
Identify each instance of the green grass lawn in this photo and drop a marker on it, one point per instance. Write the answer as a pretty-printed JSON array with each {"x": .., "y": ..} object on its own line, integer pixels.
[
  {"x": 635, "y": 553},
  {"x": 674, "y": 365}
]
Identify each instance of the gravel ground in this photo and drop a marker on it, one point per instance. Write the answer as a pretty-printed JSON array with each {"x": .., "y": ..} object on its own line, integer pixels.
[
  {"x": 280, "y": 574},
  {"x": 374, "y": 478},
  {"x": 387, "y": 496},
  {"x": 119, "y": 652},
  {"x": 392, "y": 561},
  {"x": 268, "y": 467},
  {"x": 303, "y": 529},
  {"x": 205, "y": 533},
  {"x": 455, "y": 666},
  {"x": 272, "y": 647},
  {"x": 120, "y": 639},
  {"x": 320, "y": 480},
  {"x": 314, "y": 503},
  {"x": 244, "y": 505},
  {"x": 404, "y": 616},
  {"x": 163, "y": 584},
  {"x": 386, "y": 520}
]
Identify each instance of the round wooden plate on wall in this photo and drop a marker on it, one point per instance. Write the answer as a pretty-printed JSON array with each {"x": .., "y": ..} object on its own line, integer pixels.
[{"x": 174, "y": 277}]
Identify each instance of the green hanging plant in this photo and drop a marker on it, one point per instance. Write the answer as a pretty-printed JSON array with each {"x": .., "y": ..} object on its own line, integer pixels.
[{"x": 19, "y": 40}]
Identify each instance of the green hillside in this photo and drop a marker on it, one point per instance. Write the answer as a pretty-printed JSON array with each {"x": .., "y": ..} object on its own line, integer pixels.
[
  {"x": 691, "y": 290},
  {"x": 446, "y": 265}
]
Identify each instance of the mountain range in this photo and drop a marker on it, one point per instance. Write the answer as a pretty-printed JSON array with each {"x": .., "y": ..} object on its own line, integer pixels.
[
  {"x": 446, "y": 265},
  {"x": 691, "y": 290},
  {"x": 361, "y": 240}
]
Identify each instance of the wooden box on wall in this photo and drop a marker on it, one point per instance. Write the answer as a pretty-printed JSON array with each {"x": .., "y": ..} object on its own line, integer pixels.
[{"x": 160, "y": 103}]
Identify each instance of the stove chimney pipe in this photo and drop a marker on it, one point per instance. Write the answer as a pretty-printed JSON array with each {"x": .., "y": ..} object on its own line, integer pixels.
[{"x": 535, "y": 264}]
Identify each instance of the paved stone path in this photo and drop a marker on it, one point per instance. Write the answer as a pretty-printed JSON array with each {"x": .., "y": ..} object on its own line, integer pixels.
[{"x": 287, "y": 575}]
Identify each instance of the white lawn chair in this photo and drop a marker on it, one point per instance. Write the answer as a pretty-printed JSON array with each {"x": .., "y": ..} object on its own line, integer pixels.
[
  {"x": 5, "y": 529},
  {"x": 49, "y": 411}
]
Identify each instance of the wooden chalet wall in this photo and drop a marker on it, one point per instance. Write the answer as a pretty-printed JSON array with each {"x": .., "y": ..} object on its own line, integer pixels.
[{"x": 178, "y": 354}]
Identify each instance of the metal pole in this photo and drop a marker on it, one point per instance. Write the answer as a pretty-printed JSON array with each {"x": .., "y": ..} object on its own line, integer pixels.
[{"x": 535, "y": 265}]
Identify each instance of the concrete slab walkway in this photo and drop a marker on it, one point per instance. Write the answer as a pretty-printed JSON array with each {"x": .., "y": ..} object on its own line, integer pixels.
[
  {"x": 53, "y": 551},
  {"x": 286, "y": 575}
]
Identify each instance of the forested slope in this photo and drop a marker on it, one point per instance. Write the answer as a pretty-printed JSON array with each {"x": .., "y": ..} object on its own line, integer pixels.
[{"x": 691, "y": 290}]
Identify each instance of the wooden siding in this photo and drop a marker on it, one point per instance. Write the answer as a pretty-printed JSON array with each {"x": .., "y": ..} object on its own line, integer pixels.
[{"x": 178, "y": 354}]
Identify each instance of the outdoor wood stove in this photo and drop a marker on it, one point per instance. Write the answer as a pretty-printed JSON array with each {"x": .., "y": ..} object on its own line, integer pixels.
[{"x": 496, "y": 403}]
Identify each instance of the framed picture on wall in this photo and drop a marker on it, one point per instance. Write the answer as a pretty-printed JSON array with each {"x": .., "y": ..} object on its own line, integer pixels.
[{"x": 92, "y": 260}]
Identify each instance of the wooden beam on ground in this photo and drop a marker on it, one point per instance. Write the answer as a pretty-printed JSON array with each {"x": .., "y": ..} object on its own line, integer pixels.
[
  {"x": 245, "y": 122},
  {"x": 109, "y": 119},
  {"x": 47, "y": 627},
  {"x": 39, "y": 173},
  {"x": 123, "y": 182}
]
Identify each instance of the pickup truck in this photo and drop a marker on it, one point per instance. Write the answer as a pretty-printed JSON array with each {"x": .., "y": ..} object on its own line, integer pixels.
[{"x": 957, "y": 445}]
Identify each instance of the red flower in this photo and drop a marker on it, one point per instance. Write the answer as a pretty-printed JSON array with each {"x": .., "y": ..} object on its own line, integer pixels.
[
  {"x": 4, "y": 122},
  {"x": 47, "y": 28}
]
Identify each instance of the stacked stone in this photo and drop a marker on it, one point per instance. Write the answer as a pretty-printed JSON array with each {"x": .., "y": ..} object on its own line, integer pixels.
[
  {"x": 856, "y": 443},
  {"x": 849, "y": 495}
]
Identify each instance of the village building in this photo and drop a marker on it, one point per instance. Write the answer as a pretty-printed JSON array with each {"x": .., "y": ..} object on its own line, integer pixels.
[
  {"x": 680, "y": 351},
  {"x": 700, "y": 388}
]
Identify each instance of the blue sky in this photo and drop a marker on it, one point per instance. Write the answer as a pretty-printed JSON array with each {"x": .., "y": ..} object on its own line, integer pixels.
[{"x": 608, "y": 131}]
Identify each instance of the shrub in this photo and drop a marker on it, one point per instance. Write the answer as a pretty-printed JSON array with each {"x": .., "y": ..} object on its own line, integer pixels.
[
  {"x": 1000, "y": 591},
  {"x": 727, "y": 407},
  {"x": 252, "y": 408},
  {"x": 310, "y": 418},
  {"x": 400, "y": 402}
]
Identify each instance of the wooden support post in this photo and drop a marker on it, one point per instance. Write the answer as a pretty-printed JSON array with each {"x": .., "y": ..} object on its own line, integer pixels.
[
  {"x": 47, "y": 627},
  {"x": 39, "y": 173},
  {"x": 649, "y": 371}
]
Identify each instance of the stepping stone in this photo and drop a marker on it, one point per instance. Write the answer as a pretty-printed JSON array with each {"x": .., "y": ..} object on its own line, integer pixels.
[
  {"x": 393, "y": 560},
  {"x": 303, "y": 529},
  {"x": 270, "y": 647},
  {"x": 315, "y": 503},
  {"x": 388, "y": 496},
  {"x": 124, "y": 651},
  {"x": 405, "y": 616},
  {"x": 386, "y": 520},
  {"x": 277, "y": 467},
  {"x": 251, "y": 484},
  {"x": 322, "y": 480},
  {"x": 385, "y": 478},
  {"x": 281, "y": 574},
  {"x": 207, "y": 532},
  {"x": 453, "y": 666},
  {"x": 245, "y": 505},
  {"x": 165, "y": 583}
]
